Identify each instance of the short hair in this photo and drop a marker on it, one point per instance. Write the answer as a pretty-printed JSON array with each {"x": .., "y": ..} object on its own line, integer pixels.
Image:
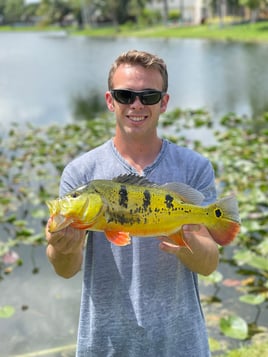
[{"x": 141, "y": 58}]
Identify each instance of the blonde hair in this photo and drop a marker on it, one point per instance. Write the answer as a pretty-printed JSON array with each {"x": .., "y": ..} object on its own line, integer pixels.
[{"x": 141, "y": 58}]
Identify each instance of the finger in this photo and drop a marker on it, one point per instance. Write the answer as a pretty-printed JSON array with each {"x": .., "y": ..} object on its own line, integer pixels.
[
  {"x": 57, "y": 239},
  {"x": 169, "y": 247}
]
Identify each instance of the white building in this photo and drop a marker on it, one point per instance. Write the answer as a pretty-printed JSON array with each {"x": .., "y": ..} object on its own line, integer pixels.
[{"x": 193, "y": 11}]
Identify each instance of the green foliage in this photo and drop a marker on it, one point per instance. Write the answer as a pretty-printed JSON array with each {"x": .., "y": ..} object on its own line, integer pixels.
[
  {"x": 235, "y": 327},
  {"x": 240, "y": 160},
  {"x": 252, "y": 4},
  {"x": 13, "y": 11},
  {"x": 149, "y": 17},
  {"x": 174, "y": 15},
  {"x": 255, "y": 350},
  {"x": 6, "y": 311},
  {"x": 32, "y": 160}
]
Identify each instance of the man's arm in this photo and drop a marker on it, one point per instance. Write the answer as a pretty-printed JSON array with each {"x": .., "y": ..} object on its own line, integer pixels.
[
  {"x": 65, "y": 250},
  {"x": 204, "y": 257}
]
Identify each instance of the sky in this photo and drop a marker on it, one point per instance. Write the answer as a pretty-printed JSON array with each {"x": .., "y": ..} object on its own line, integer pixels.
[{"x": 27, "y": 2}]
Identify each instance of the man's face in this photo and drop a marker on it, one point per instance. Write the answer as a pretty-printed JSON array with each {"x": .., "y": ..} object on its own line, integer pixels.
[{"x": 137, "y": 119}]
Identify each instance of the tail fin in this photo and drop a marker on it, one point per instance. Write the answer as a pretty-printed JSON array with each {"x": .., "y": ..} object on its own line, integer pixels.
[{"x": 226, "y": 224}]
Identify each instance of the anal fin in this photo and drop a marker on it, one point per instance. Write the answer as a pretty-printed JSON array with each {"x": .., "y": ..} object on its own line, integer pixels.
[{"x": 118, "y": 238}]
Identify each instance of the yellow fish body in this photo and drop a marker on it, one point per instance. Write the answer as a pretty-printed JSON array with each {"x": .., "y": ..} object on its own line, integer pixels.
[{"x": 130, "y": 205}]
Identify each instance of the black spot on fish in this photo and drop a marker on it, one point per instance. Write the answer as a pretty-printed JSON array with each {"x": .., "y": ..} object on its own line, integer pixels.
[
  {"x": 146, "y": 199},
  {"x": 168, "y": 201},
  {"x": 119, "y": 218},
  {"x": 123, "y": 196},
  {"x": 218, "y": 213}
]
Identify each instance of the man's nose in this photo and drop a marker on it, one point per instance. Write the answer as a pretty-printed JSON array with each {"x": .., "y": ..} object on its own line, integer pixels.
[{"x": 137, "y": 102}]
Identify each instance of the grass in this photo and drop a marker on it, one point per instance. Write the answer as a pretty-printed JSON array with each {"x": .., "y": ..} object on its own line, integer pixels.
[
  {"x": 257, "y": 32},
  {"x": 250, "y": 32}
]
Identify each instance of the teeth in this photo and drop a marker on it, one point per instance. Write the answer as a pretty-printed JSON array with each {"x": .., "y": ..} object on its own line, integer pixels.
[{"x": 137, "y": 118}]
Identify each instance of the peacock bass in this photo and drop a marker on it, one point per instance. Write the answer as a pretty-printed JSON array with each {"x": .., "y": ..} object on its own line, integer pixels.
[{"x": 130, "y": 205}]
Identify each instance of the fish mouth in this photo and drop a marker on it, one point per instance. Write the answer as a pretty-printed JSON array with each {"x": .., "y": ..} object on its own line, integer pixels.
[{"x": 59, "y": 222}]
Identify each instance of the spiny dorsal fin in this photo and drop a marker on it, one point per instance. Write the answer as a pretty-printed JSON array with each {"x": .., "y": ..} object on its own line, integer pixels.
[
  {"x": 133, "y": 179},
  {"x": 185, "y": 192}
]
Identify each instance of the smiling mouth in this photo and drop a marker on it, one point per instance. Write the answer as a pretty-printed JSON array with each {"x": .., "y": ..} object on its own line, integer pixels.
[{"x": 136, "y": 118}]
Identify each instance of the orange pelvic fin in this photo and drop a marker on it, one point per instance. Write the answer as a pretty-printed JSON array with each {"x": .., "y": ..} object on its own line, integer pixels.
[
  {"x": 118, "y": 238},
  {"x": 179, "y": 239}
]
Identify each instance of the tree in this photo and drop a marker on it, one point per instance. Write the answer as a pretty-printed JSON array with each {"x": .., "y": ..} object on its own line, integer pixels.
[
  {"x": 254, "y": 6},
  {"x": 53, "y": 11},
  {"x": 12, "y": 11}
]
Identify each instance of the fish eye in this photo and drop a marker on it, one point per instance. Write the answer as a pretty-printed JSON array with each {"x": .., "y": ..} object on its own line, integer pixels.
[{"x": 74, "y": 194}]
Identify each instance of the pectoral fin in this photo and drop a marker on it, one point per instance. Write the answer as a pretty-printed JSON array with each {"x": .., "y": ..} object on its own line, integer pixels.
[
  {"x": 178, "y": 239},
  {"x": 118, "y": 238}
]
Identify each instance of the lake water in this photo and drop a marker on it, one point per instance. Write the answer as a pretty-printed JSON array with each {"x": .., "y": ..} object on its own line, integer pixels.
[{"x": 40, "y": 74}]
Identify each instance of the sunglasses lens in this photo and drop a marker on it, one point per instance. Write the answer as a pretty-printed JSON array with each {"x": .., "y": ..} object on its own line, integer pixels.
[
  {"x": 123, "y": 96},
  {"x": 147, "y": 97},
  {"x": 151, "y": 98}
]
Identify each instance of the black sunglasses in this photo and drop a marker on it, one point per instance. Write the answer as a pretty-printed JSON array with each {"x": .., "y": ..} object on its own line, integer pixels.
[{"x": 147, "y": 97}]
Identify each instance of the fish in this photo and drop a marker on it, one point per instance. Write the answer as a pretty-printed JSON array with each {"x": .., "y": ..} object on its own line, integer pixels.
[{"x": 131, "y": 205}]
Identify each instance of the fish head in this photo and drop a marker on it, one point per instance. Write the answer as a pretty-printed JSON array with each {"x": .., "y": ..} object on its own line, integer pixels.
[{"x": 78, "y": 208}]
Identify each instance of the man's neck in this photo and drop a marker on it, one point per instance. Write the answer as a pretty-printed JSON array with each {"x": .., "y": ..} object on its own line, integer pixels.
[{"x": 138, "y": 153}]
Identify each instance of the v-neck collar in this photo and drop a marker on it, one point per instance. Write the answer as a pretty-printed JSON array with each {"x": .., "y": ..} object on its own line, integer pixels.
[{"x": 148, "y": 169}]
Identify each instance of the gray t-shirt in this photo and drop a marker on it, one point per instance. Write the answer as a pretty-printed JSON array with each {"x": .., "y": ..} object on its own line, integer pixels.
[{"x": 138, "y": 300}]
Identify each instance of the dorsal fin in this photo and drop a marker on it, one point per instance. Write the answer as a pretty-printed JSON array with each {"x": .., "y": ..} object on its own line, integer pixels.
[
  {"x": 133, "y": 179},
  {"x": 185, "y": 192}
]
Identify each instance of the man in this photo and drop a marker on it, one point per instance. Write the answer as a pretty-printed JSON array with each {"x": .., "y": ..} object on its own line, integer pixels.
[{"x": 141, "y": 299}]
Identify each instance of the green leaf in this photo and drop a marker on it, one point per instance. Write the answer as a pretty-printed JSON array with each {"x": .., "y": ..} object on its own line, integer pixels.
[
  {"x": 253, "y": 299},
  {"x": 263, "y": 246},
  {"x": 40, "y": 213},
  {"x": 6, "y": 311},
  {"x": 259, "y": 262},
  {"x": 213, "y": 278},
  {"x": 234, "y": 327},
  {"x": 252, "y": 259}
]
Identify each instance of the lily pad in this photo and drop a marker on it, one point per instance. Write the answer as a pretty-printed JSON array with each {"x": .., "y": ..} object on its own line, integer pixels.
[
  {"x": 234, "y": 327},
  {"x": 253, "y": 299},
  {"x": 213, "y": 278},
  {"x": 6, "y": 311}
]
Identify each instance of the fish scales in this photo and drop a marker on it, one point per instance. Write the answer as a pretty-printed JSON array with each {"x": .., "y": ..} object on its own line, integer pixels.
[
  {"x": 147, "y": 207},
  {"x": 130, "y": 205}
]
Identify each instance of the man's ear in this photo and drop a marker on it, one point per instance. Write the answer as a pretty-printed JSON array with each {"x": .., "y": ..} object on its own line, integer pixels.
[
  {"x": 109, "y": 101},
  {"x": 164, "y": 103}
]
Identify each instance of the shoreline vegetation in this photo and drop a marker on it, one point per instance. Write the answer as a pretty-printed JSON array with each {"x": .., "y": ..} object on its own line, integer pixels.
[{"x": 227, "y": 30}]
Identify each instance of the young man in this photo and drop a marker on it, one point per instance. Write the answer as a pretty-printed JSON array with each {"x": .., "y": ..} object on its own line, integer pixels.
[{"x": 141, "y": 299}]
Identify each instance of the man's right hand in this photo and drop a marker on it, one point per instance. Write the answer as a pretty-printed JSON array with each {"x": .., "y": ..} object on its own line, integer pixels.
[
  {"x": 65, "y": 250},
  {"x": 67, "y": 240}
]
